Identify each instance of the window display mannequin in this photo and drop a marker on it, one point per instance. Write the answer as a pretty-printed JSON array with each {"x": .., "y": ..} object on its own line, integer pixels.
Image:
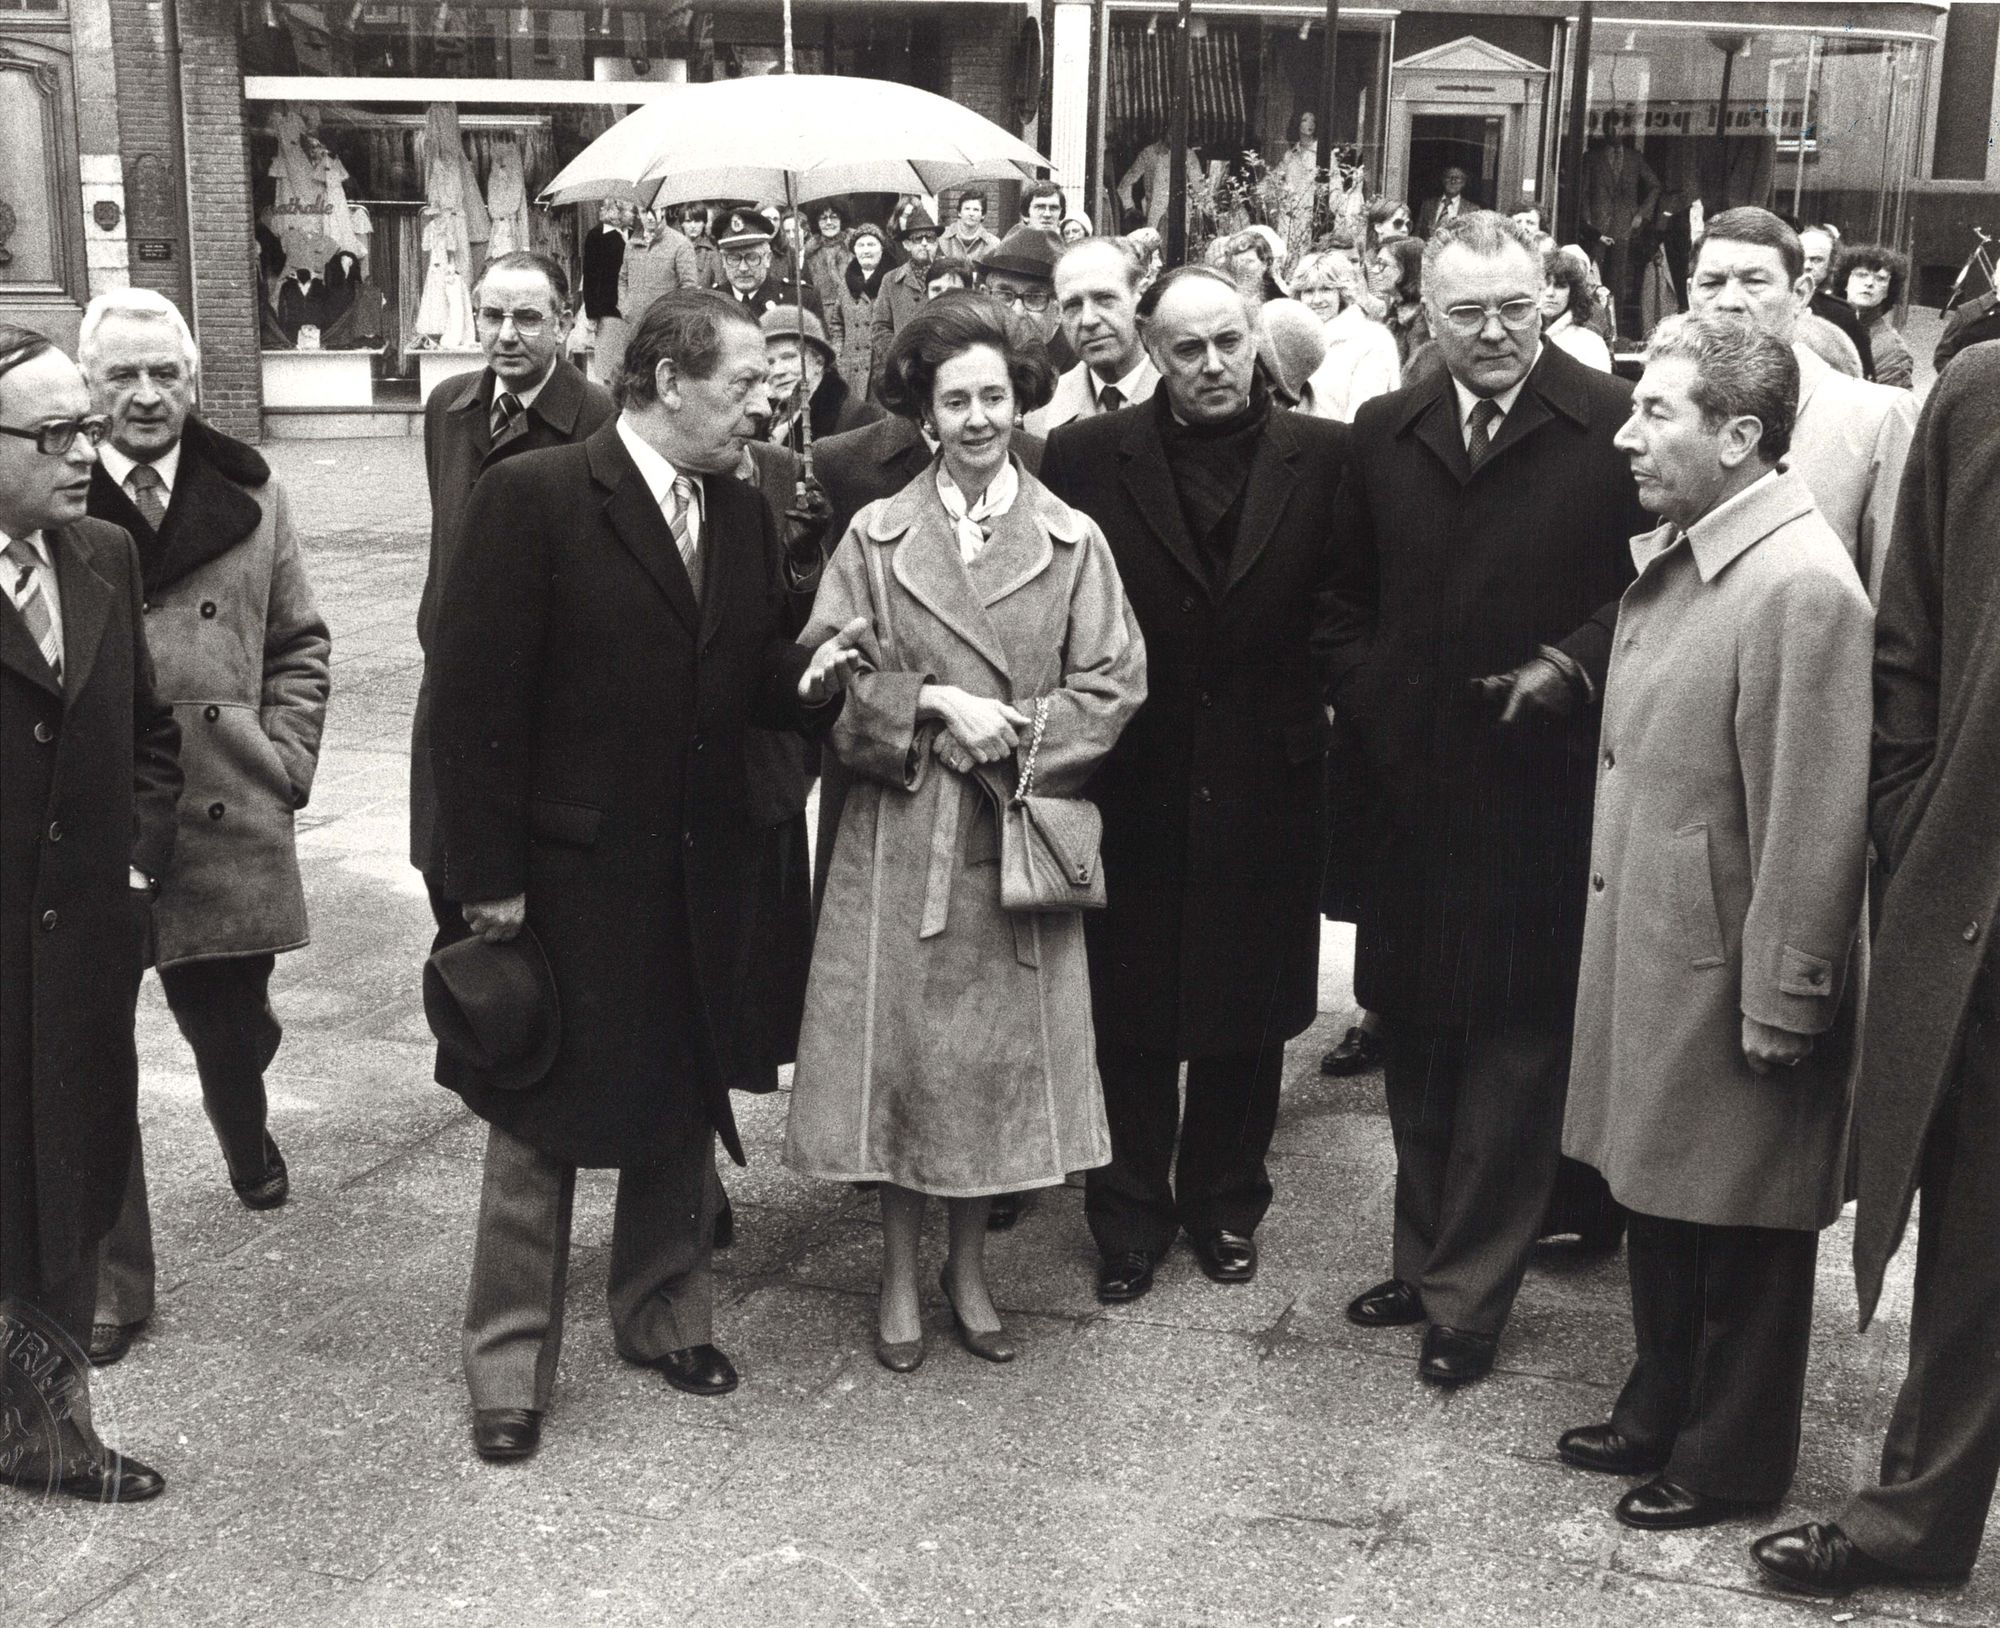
[
  {"x": 507, "y": 199},
  {"x": 444, "y": 310}
]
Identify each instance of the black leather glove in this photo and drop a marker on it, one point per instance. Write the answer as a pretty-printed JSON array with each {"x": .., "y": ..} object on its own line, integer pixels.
[
  {"x": 805, "y": 531},
  {"x": 1547, "y": 685}
]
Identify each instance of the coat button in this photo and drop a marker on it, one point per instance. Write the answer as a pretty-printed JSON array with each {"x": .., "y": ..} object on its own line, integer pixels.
[
  {"x": 1610, "y": 758},
  {"x": 211, "y": 713},
  {"x": 1187, "y": 604},
  {"x": 215, "y": 811},
  {"x": 699, "y": 743},
  {"x": 55, "y": 830},
  {"x": 1597, "y": 884},
  {"x": 48, "y": 921},
  {"x": 208, "y": 609},
  {"x": 688, "y": 840},
  {"x": 1971, "y": 933},
  {"x": 44, "y": 734},
  {"x": 145, "y": 607},
  {"x": 1207, "y": 700},
  {"x": 1201, "y": 795}
]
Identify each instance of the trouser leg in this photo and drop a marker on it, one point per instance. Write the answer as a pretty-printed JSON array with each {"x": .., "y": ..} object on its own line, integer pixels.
[
  {"x": 125, "y": 1267},
  {"x": 661, "y": 1286},
  {"x": 1129, "y": 1202},
  {"x": 224, "y": 1012},
  {"x": 1942, "y": 1459},
  {"x": 1420, "y": 1086},
  {"x": 1505, "y": 1145},
  {"x": 1221, "y": 1183},
  {"x": 520, "y": 1262},
  {"x": 45, "y": 1375}
]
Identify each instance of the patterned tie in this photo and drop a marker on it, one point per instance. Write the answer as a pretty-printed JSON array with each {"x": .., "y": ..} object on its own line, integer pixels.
[
  {"x": 1484, "y": 411},
  {"x": 1110, "y": 399},
  {"x": 684, "y": 533},
  {"x": 26, "y": 589},
  {"x": 146, "y": 488},
  {"x": 507, "y": 409}
]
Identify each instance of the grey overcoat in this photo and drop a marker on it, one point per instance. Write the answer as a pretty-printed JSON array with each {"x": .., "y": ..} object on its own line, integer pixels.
[
  {"x": 1727, "y": 864},
  {"x": 947, "y": 1046}
]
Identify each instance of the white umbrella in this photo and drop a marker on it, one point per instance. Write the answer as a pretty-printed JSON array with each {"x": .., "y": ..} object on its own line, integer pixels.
[{"x": 799, "y": 137}]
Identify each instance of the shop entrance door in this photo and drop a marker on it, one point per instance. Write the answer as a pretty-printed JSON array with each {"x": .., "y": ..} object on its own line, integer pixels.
[
  {"x": 1472, "y": 141},
  {"x": 1471, "y": 104}
]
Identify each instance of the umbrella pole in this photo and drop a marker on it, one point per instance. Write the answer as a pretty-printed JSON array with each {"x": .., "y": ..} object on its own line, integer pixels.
[{"x": 799, "y": 305}]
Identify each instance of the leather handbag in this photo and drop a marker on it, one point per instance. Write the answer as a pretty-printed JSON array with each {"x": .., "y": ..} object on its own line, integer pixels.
[{"x": 1050, "y": 847}]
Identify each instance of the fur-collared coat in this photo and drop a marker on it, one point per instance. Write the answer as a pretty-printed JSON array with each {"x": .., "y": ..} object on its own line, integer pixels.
[
  {"x": 241, "y": 653},
  {"x": 947, "y": 1045},
  {"x": 1726, "y": 869}
]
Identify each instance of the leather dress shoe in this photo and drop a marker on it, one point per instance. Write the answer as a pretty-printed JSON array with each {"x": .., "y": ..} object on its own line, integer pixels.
[
  {"x": 1664, "y": 1505},
  {"x": 1359, "y": 1052},
  {"x": 988, "y": 1344},
  {"x": 1123, "y": 1277},
  {"x": 1454, "y": 1356},
  {"x": 700, "y": 1370},
  {"x": 109, "y": 1342},
  {"x": 500, "y": 1435},
  {"x": 1390, "y": 1304},
  {"x": 1821, "y": 1559},
  {"x": 1607, "y": 1449},
  {"x": 270, "y": 1189},
  {"x": 1227, "y": 1257},
  {"x": 900, "y": 1356},
  {"x": 109, "y": 1478},
  {"x": 725, "y": 1227},
  {"x": 1004, "y": 1211}
]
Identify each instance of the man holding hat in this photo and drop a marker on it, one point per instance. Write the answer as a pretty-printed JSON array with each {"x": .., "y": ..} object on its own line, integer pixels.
[
  {"x": 805, "y": 373},
  {"x": 906, "y": 288},
  {"x": 745, "y": 239},
  {"x": 1020, "y": 272}
]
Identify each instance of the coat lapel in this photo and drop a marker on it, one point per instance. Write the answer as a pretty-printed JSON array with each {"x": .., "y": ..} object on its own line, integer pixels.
[
  {"x": 19, "y": 651},
  {"x": 633, "y": 514},
  {"x": 1018, "y": 551},
  {"x": 728, "y": 525},
  {"x": 86, "y": 608},
  {"x": 927, "y": 565},
  {"x": 902, "y": 451},
  {"x": 1273, "y": 474},
  {"x": 473, "y": 412},
  {"x": 1150, "y": 485},
  {"x": 1435, "y": 419}
]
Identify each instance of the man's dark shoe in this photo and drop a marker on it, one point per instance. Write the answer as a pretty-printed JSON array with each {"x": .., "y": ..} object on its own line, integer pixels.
[
  {"x": 1663, "y": 1505},
  {"x": 1454, "y": 1356},
  {"x": 700, "y": 1370},
  {"x": 501, "y": 1435},
  {"x": 1390, "y": 1304},
  {"x": 1819, "y": 1558},
  {"x": 1359, "y": 1052},
  {"x": 1227, "y": 1257},
  {"x": 110, "y": 1478},
  {"x": 725, "y": 1226},
  {"x": 1123, "y": 1277},
  {"x": 1607, "y": 1449},
  {"x": 109, "y": 1342},
  {"x": 269, "y": 1190},
  {"x": 1004, "y": 1211}
]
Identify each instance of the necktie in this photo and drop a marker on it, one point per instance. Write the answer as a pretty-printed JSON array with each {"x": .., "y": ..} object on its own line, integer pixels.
[
  {"x": 146, "y": 488},
  {"x": 677, "y": 521},
  {"x": 26, "y": 590},
  {"x": 1484, "y": 411},
  {"x": 507, "y": 410},
  {"x": 1110, "y": 399}
]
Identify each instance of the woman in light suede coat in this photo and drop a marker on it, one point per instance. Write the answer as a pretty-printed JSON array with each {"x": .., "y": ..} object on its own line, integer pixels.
[{"x": 947, "y": 1046}]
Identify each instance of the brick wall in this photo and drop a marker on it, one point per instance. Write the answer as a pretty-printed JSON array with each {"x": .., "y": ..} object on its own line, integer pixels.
[
  {"x": 221, "y": 239},
  {"x": 976, "y": 44},
  {"x": 149, "y": 143}
]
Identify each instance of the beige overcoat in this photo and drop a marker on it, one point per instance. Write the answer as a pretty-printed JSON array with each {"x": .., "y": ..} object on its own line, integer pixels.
[
  {"x": 947, "y": 1045},
  {"x": 1727, "y": 864}
]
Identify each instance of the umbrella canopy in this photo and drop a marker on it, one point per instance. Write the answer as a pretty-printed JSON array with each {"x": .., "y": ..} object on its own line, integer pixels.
[{"x": 798, "y": 137}]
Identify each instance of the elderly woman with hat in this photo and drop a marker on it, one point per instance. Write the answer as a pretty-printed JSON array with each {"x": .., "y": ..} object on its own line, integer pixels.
[
  {"x": 947, "y": 1045},
  {"x": 805, "y": 376},
  {"x": 850, "y": 315}
]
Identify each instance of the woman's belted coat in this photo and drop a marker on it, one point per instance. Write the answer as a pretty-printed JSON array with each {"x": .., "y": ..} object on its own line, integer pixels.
[{"x": 947, "y": 1045}]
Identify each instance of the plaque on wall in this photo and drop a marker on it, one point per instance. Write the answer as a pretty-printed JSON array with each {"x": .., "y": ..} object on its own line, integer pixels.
[{"x": 155, "y": 250}]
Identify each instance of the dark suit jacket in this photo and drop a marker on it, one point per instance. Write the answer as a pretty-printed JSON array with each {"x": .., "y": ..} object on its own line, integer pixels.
[
  {"x": 458, "y": 448},
  {"x": 587, "y": 737},
  {"x": 1476, "y": 903},
  {"x": 777, "y": 290},
  {"x": 1212, "y": 798},
  {"x": 88, "y": 782},
  {"x": 1427, "y": 216}
]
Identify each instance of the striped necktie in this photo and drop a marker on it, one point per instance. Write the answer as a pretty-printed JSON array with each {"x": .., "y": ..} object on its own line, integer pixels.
[
  {"x": 677, "y": 520},
  {"x": 26, "y": 592},
  {"x": 507, "y": 410},
  {"x": 1480, "y": 420},
  {"x": 146, "y": 489}
]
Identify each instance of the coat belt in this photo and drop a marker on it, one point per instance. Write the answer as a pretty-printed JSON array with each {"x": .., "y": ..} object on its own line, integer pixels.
[{"x": 944, "y": 860}]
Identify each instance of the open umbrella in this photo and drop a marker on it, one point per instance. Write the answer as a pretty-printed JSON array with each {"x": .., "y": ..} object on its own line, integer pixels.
[{"x": 799, "y": 137}]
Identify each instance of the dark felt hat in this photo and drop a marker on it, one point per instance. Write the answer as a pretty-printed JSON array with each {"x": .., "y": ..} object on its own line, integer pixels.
[
  {"x": 1027, "y": 251},
  {"x": 494, "y": 1008},
  {"x": 917, "y": 222}
]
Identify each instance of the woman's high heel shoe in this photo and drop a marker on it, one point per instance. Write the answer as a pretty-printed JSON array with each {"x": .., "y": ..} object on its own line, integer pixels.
[
  {"x": 900, "y": 1356},
  {"x": 990, "y": 1345}
]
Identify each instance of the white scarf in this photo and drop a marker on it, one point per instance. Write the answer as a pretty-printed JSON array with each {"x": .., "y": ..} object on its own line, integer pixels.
[{"x": 971, "y": 522}]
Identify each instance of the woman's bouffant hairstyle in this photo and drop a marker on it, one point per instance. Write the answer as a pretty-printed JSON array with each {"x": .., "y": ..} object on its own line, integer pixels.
[
  {"x": 683, "y": 327},
  {"x": 1573, "y": 280},
  {"x": 948, "y": 326},
  {"x": 1408, "y": 253},
  {"x": 1870, "y": 257}
]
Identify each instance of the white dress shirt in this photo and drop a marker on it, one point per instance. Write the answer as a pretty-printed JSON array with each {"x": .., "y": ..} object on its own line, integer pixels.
[
  {"x": 660, "y": 476},
  {"x": 119, "y": 467}
]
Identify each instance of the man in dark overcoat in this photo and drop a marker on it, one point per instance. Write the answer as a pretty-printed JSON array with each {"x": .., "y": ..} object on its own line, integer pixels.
[
  {"x": 1491, "y": 517},
  {"x": 86, "y": 831},
  {"x": 525, "y": 399},
  {"x": 1927, "y": 1101},
  {"x": 612, "y": 625},
  {"x": 1221, "y": 510},
  {"x": 241, "y": 653}
]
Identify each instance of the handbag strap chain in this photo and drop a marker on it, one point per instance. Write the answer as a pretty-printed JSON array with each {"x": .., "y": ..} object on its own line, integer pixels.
[{"x": 1026, "y": 786}]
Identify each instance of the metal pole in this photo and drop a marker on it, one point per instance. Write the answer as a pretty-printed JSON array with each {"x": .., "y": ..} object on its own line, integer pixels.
[
  {"x": 788, "y": 35},
  {"x": 1329, "y": 57},
  {"x": 1177, "y": 135},
  {"x": 1570, "y": 204}
]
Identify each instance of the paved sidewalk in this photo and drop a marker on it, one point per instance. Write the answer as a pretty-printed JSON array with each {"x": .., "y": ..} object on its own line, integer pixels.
[{"x": 1207, "y": 1456}]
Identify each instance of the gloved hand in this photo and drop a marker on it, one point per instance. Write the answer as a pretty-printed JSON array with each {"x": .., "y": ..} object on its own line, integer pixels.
[
  {"x": 805, "y": 529},
  {"x": 1540, "y": 685}
]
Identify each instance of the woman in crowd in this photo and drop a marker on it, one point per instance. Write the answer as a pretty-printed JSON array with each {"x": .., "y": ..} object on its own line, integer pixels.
[
  {"x": 1250, "y": 258},
  {"x": 1399, "y": 281},
  {"x": 828, "y": 255},
  {"x": 1870, "y": 278},
  {"x": 1567, "y": 302},
  {"x": 1075, "y": 228},
  {"x": 947, "y": 1046},
  {"x": 850, "y": 313},
  {"x": 1598, "y": 313},
  {"x": 1388, "y": 221},
  {"x": 1361, "y": 360}
]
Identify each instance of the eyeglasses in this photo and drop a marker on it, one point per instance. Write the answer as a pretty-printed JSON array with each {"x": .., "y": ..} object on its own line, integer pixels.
[
  {"x": 1033, "y": 299},
  {"x": 744, "y": 257},
  {"x": 53, "y": 440},
  {"x": 526, "y": 323},
  {"x": 1467, "y": 321}
]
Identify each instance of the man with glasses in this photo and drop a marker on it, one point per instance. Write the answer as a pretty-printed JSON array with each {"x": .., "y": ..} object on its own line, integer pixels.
[
  {"x": 1491, "y": 514},
  {"x": 86, "y": 832},
  {"x": 905, "y": 289},
  {"x": 745, "y": 238},
  {"x": 223, "y": 574},
  {"x": 1019, "y": 271},
  {"x": 524, "y": 399}
]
